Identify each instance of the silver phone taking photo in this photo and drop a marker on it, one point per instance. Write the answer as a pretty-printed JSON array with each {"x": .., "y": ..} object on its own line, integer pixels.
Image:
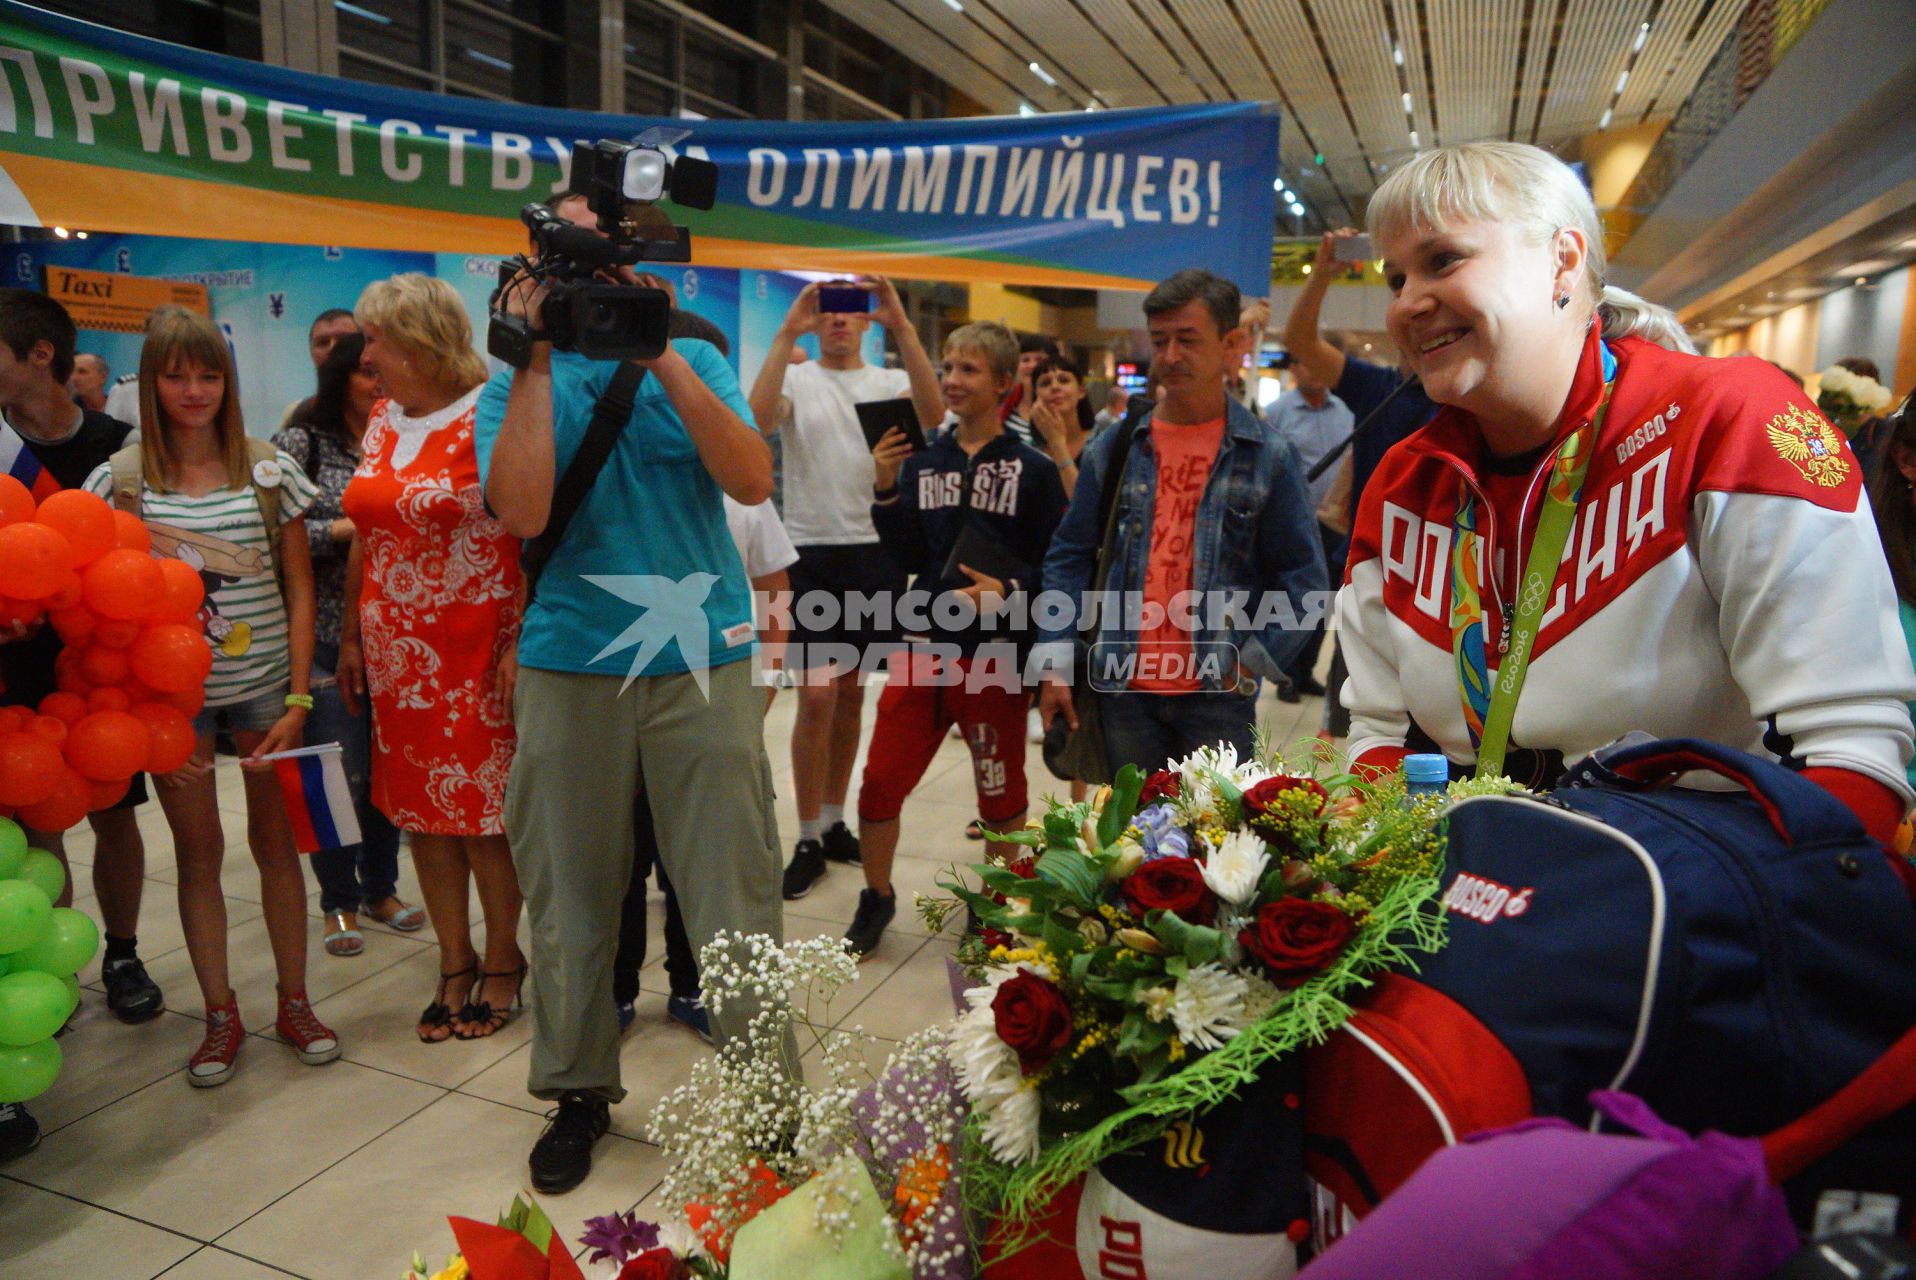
[{"x": 1355, "y": 248}]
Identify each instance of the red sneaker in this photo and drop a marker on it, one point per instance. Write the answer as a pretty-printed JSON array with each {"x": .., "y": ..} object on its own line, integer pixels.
[
  {"x": 213, "y": 1062},
  {"x": 312, "y": 1040}
]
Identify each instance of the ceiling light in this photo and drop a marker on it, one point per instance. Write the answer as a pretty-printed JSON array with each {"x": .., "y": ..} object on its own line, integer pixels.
[
  {"x": 63, "y": 233},
  {"x": 1397, "y": 54},
  {"x": 955, "y": 7},
  {"x": 486, "y": 59},
  {"x": 1277, "y": 184},
  {"x": 1407, "y": 106},
  {"x": 1605, "y": 122},
  {"x": 80, "y": 235},
  {"x": 1307, "y": 268},
  {"x": 1319, "y": 159},
  {"x": 358, "y": 12},
  {"x": 1862, "y": 280},
  {"x": 1643, "y": 34},
  {"x": 1026, "y": 109},
  {"x": 1367, "y": 346},
  {"x": 1414, "y": 144},
  {"x": 1043, "y": 75},
  {"x": 1623, "y": 79}
]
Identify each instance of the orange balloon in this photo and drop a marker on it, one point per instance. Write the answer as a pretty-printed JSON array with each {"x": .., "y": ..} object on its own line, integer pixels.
[
  {"x": 14, "y": 719},
  {"x": 16, "y": 502},
  {"x": 128, "y": 533},
  {"x": 184, "y": 593},
  {"x": 68, "y": 594},
  {"x": 70, "y": 800},
  {"x": 33, "y": 560},
  {"x": 85, "y": 519},
  {"x": 122, "y": 584},
  {"x": 66, "y": 674},
  {"x": 63, "y": 706},
  {"x": 188, "y": 702},
  {"x": 51, "y": 728},
  {"x": 115, "y": 635},
  {"x": 171, "y": 731},
  {"x": 30, "y": 768},
  {"x": 74, "y": 625},
  {"x": 107, "y": 745},
  {"x": 20, "y": 611},
  {"x": 104, "y": 795},
  {"x": 107, "y": 700},
  {"x": 171, "y": 658},
  {"x": 101, "y": 665}
]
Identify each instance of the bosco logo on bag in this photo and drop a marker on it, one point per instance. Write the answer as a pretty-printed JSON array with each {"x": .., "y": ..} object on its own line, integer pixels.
[{"x": 1485, "y": 900}]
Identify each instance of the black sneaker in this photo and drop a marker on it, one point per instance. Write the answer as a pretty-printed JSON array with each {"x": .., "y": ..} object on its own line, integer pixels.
[
  {"x": 562, "y": 1157},
  {"x": 130, "y": 993},
  {"x": 875, "y": 911},
  {"x": 19, "y": 1132},
  {"x": 1311, "y": 686},
  {"x": 1287, "y": 691},
  {"x": 807, "y": 868},
  {"x": 840, "y": 844},
  {"x": 690, "y": 1011}
]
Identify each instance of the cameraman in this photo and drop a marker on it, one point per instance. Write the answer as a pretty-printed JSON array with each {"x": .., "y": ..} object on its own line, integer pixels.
[{"x": 640, "y": 672}]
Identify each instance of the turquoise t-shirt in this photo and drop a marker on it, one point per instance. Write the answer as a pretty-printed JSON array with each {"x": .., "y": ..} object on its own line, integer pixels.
[
  {"x": 1908, "y": 616},
  {"x": 647, "y": 581}
]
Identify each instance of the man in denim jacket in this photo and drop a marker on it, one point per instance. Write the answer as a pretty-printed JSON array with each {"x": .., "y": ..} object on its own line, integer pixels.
[{"x": 1215, "y": 560}]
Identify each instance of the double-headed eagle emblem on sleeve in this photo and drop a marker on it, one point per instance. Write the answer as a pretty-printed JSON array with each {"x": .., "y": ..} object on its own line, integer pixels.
[{"x": 1809, "y": 443}]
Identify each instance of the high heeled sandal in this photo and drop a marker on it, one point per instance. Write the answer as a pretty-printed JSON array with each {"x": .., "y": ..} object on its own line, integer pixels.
[
  {"x": 439, "y": 1014},
  {"x": 482, "y": 1012}
]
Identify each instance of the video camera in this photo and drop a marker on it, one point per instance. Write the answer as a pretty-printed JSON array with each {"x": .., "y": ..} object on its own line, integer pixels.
[{"x": 583, "y": 312}]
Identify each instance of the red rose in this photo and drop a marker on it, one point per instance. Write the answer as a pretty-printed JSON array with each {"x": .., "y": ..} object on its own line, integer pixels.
[
  {"x": 1024, "y": 868},
  {"x": 1260, "y": 799},
  {"x": 1162, "y": 785},
  {"x": 654, "y": 1264},
  {"x": 1296, "y": 939},
  {"x": 1033, "y": 1017},
  {"x": 1172, "y": 884}
]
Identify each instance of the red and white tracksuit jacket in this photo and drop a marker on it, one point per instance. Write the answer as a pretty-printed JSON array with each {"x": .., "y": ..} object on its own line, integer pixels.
[{"x": 1723, "y": 580}]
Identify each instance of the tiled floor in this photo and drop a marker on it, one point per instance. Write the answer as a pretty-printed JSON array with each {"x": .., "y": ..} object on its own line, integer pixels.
[{"x": 340, "y": 1172}]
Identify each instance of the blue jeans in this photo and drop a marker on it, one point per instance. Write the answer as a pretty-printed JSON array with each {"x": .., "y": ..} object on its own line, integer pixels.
[
  {"x": 1147, "y": 729},
  {"x": 354, "y": 874}
]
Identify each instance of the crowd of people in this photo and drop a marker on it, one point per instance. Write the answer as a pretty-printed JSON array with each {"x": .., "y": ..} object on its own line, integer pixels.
[{"x": 419, "y": 567}]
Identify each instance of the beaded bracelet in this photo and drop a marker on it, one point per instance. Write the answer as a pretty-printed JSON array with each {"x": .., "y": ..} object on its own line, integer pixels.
[{"x": 304, "y": 701}]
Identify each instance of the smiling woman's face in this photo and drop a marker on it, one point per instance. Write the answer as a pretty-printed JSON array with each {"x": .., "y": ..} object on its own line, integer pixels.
[{"x": 1472, "y": 307}]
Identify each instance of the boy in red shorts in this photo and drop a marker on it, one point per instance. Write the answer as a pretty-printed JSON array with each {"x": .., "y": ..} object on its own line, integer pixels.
[{"x": 966, "y": 623}]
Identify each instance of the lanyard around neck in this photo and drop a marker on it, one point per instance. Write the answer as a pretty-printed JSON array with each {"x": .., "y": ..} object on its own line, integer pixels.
[{"x": 1489, "y": 709}]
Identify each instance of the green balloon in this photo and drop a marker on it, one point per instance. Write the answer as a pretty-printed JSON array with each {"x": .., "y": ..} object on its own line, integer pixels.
[
  {"x": 6, "y": 966},
  {"x": 13, "y": 848},
  {"x": 28, "y": 1070},
  {"x": 71, "y": 983},
  {"x": 32, "y": 1007},
  {"x": 24, "y": 914},
  {"x": 69, "y": 942},
  {"x": 42, "y": 869}
]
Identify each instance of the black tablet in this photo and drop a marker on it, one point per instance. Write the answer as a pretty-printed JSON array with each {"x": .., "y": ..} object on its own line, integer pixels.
[
  {"x": 877, "y": 417},
  {"x": 981, "y": 548}
]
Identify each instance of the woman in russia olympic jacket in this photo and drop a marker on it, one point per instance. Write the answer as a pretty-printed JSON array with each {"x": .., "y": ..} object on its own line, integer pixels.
[{"x": 1719, "y": 574}]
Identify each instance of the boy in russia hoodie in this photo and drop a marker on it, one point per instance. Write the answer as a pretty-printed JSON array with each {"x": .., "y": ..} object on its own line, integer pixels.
[{"x": 973, "y": 618}]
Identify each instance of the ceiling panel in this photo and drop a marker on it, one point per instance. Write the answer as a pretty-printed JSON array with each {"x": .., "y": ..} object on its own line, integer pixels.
[{"x": 1470, "y": 66}]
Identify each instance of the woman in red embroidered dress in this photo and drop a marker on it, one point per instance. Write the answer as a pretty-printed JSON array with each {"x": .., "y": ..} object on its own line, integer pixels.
[{"x": 435, "y": 633}]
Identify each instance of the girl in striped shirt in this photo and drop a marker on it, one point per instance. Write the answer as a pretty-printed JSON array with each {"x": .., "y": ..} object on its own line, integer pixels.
[{"x": 201, "y": 499}]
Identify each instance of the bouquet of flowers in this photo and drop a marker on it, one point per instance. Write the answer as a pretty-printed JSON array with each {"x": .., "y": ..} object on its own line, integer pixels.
[
  {"x": 1140, "y": 956},
  {"x": 847, "y": 1180},
  {"x": 1848, "y": 398}
]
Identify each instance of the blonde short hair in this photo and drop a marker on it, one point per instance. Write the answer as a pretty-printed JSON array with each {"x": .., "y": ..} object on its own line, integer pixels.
[
  {"x": 180, "y": 339},
  {"x": 424, "y": 317},
  {"x": 1517, "y": 183},
  {"x": 992, "y": 341}
]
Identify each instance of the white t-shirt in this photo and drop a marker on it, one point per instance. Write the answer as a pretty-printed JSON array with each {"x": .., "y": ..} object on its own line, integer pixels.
[
  {"x": 123, "y": 400},
  {"x": 828, "y": 466},
  {"x": 760, "y": 537},
  {"x": 221, "y": 536}
]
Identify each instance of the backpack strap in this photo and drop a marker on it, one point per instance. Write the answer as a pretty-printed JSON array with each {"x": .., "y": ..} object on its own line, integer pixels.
[
  {"x": 1885, "y": 1087},
  {"x": 128, "y": 468},
  {"x": 609, "y": 416},
  {"x": 258, "y": 451}
]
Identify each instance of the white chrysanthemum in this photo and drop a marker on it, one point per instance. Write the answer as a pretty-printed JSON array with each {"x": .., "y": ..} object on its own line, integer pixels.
[
  {"x": 1010, "y": 1127},
  {"x": 986, "y": 1067},
  {"x": 1836, "y": 378},
  {"x": 1234, "y": 868},
  {"x": 1208, "y": 1006},
  {"x": 1197, "y": 794},
  {"x": 1156, "y": 1002}
]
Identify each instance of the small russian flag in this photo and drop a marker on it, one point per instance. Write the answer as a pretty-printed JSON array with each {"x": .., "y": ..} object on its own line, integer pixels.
[
  {"x": 318, "y": 802},
  {"x": 20, "y": 462}
]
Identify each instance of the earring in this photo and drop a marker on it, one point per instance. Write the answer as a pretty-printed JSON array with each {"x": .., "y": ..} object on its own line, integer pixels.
[{"x": 1563, "y": 300}]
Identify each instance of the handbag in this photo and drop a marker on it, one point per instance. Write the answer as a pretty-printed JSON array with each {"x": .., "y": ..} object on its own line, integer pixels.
[{"x": 1080, "y": 753}]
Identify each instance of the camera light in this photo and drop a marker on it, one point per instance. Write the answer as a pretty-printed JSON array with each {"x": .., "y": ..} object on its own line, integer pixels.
[{"x": 644, "y": 174}]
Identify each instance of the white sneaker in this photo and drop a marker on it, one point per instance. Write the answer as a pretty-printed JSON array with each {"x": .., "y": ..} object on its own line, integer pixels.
[{"x": 1034, "y": 727}]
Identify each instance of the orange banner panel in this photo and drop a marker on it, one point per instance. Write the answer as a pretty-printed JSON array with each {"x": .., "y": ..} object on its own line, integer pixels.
[{"x": 109, "y": 303}]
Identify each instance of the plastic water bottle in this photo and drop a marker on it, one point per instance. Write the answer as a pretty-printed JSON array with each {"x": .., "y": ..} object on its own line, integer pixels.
[{"x": 1426, "y": 774}]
